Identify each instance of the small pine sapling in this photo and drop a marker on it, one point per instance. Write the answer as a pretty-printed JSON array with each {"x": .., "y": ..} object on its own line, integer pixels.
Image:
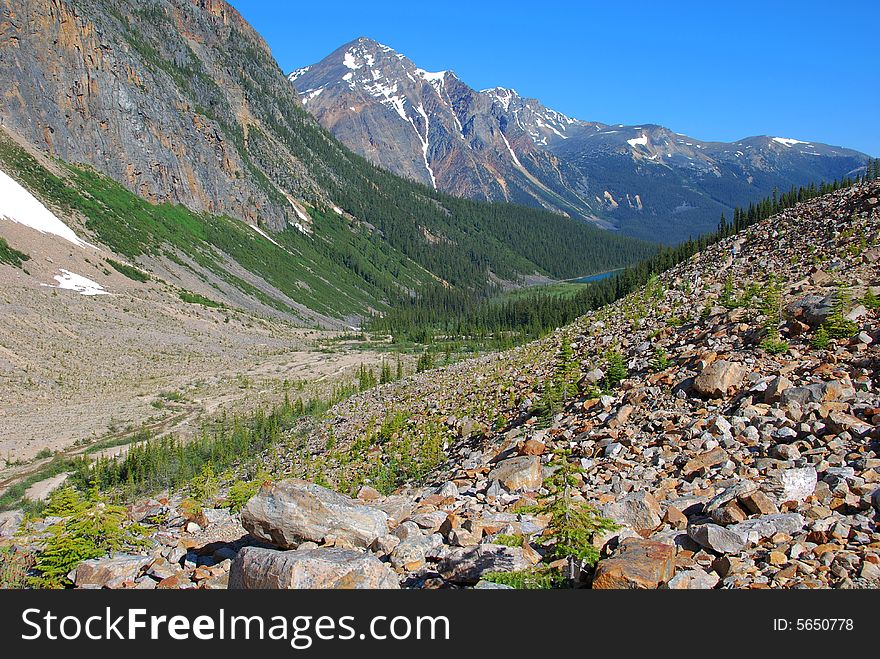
[{"x": 572, "y": 524}]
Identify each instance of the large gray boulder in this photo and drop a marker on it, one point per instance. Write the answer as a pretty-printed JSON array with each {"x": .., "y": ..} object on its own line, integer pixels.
[
  {"x": 756, "y": 529},
  {"x": 291, "y": 512},
  {"x": 812, "y": 309},
  {"x": 717, "y": 538},
  {"x": 321, "y": 568}
]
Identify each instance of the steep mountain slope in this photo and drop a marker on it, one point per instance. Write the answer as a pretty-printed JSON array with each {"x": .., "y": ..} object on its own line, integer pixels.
[
  {"x": 432, "y": 128},
  {"x": 497, "y": 145},
  {"x": 726, "y": 416},
  {"x": 740, "y": 434},
  {"x": 181, "y": 102}
]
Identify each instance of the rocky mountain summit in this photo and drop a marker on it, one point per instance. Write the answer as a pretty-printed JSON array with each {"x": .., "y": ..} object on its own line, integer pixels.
[
  {"x": 495, "y": 144},
  {"x": 432, "y": 128},
  {"x": 725, "y": 417}
]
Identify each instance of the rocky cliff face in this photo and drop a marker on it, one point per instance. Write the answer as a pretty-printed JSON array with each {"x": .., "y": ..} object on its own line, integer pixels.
[
  {"x": 178, "y": 99},
  {"x": 495, "y": 144},
  {"x": 433, "y": 128}
]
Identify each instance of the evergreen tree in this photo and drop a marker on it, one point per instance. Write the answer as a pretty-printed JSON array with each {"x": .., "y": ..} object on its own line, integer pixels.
[
  {"x": 93, "y": 528},
  {"x": 572, "y": 524},
  {"x": 385, "y": 376}
]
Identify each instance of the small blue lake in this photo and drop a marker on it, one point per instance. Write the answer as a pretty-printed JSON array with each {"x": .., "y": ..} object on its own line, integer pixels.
[{"x": 597, "y": 277}]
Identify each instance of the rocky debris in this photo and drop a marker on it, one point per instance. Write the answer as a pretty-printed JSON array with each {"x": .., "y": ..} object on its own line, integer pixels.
[
  {"x": 10, "y": 521},
  {"x": 718, "y": 538},
  {"x": 693, "y": 578},
  {"x": 792, "y": 484},
  {"x": 814, "y": 310},
  {"x": 749, "y": 485},
  {"x": 412, "y": 552},
  {"x": 290, "y": 512},
  {"x": 323, "y": 568},
  {"x": 522, "y": 473},
  {"x": 642, "y": 564}
]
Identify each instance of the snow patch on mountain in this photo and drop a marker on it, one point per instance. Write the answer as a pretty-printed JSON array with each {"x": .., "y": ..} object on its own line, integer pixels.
[
  {"x": 512, "y": 154},
  {"x": 299, "y": 73},
  {"x": 438, "y": 76},
  {"x": 425, "y": 142},
  {"x": 638, "y": 141},
  {"x": 71, "y": 281},
  {"x": 263, "y": 233},
  {"x": 787, "y": 141},
  {"x": 20, "y": 206},
  {"x": 350, "y": 61}
]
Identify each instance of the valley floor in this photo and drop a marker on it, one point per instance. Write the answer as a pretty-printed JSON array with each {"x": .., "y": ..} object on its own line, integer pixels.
[{"x": 75, "y": 368}]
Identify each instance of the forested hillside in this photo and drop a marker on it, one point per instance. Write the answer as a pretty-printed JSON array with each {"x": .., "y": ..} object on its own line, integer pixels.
[{"x": 182, "y": 104}]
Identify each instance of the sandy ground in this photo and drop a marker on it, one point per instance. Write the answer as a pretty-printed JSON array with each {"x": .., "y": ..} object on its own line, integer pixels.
[{"x": 75, "y": 368}]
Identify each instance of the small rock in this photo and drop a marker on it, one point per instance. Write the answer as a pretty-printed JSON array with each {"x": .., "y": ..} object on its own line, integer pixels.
[
  {"x": 109, "y": 572},
  {"x": 706, "y": 460},
  {"x": 717, "y": 538},
  {"x": 520, "y": 473},
  {"x": 639, "y": 510},
  {"x": 719, "y": 378},
  {"x": 791, "y": 484},
  {"x": 693, "y": 579},
  {"x": 758, "y": 503},
  {"x": 468, "y": 564},
  {"x": 638, "y": 564}
]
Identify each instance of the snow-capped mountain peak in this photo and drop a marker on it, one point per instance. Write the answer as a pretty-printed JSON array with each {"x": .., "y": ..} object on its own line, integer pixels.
[{"x": 497, "y": 144}]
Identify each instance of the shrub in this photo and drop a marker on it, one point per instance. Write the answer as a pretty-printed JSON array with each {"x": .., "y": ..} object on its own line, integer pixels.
[
  {"x": 660, "y": 361},
  {"x": 129, "y": 271},
  {"x": 775, "y": 346},
  {"x": 14, "y": 567},
  {"x": 240, "y": 492},
  {"x": 837, "y": 325},
  {"x": 617, "y": 371},
  {"x": 204, "y": 487},
  {"x": 93, "y": 528},
  {"x": 562, "y": 384},
  {"x": 536, "y": 578},
  {"x": 509, "y": 540},
  {"x": 821, "y": 339},
  {"x": 727, "y": 300},
  {"x": 425, "y": 363},
  {"x": 195, "y": 298},
  {"x": 871, "y": 300},
  {"x": 11, "y": 256}
]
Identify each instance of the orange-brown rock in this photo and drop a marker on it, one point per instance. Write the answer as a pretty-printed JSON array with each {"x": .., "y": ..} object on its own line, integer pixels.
[{"x": 639, "y": 564}]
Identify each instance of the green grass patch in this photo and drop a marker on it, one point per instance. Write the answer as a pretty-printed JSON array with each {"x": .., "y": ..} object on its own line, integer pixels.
[
  {"x": 11, "y": 256},
  {"x": 195, "y": 298},
  {"x": 129, "y": 271}
]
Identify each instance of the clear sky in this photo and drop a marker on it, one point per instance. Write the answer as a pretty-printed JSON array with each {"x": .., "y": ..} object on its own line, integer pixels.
[{"x": 713, "y": 69}]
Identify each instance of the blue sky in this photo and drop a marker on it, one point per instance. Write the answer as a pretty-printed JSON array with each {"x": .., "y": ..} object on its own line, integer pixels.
[{"x": 712, "y": 70}]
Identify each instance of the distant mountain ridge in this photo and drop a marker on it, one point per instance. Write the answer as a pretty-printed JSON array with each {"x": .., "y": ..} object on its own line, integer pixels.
[{"x": 500, "y": 146}]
